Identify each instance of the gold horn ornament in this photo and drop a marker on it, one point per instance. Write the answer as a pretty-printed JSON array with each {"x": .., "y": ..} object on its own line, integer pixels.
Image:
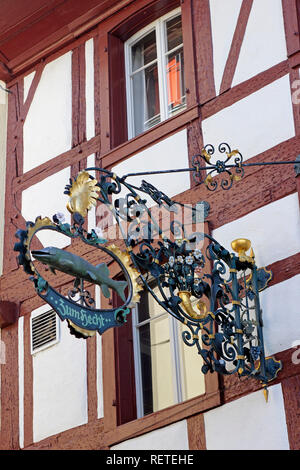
[
  {"x": 241, "y": 246},
  {"x": 185, "y": 297}
]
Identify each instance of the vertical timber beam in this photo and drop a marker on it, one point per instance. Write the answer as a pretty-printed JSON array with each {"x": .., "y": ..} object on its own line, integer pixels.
[
  {"x": 3, "y": 133},
  {"x": 203, "y": 50},
  {"x": 28, "y": 385},
  {"x": 291, "y": 393},
  {"x": 9, "y": 261},
  {"x": 9, "y": 430}
]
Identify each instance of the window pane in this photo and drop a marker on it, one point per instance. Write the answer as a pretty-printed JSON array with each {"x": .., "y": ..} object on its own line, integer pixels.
[
  {"x": 174, "y": 33},
  {"x": 144, "y": 51},
  {"x": 145, "y": 94},
  {"x": 193, "y": 380},
  {"x": 175, "y": 82},
  {"x": 148, "y": 307},
  {"x": 156, "y": 365}
]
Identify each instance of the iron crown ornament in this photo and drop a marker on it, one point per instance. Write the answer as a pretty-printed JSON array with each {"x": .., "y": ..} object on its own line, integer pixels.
[{"x": 213, "y": 292}]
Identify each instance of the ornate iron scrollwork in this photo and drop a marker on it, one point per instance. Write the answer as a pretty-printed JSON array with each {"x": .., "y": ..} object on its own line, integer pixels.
[
  {"x": 231, "y": 171},
  {"x": 214, "y": 293}
]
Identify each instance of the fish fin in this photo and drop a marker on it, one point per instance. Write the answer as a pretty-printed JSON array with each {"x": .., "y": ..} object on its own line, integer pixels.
[
  {"x": 105, "y": 290},
  {"x": 92, "y": 276},
  {"x": 52, "y": 270},
  {"x": 119, "y": 287},
  {"x": 102, "y": 267},
  {"x": 104, "y": 287}
]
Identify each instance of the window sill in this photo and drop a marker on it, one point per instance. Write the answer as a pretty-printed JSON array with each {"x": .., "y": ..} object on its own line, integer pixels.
[
  {"x": 162, "y": 418},
  {"x": 150, "y": 137}
]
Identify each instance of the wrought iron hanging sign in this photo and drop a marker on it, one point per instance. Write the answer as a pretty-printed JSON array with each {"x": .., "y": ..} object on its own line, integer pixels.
[{"x": 213, "y": 292}]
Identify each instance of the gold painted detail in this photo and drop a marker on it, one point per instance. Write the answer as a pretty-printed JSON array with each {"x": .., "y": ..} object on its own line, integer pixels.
[
  {"x": 133, "y": 273},
  {"x": 239, "y": 331},
  {"x": 39, "y": 224},
  {"x": 205, "y": 155},
  {"x": 236, "y": 302},
  {"x": 233, "y": 153},
  {"x": 266, "y": 392},
  {"x": 185, "y": 297},
  {"x": 241, "y": 246},
  {"x": 235, "y": 177},
  {"x": 86, "y": 333},
  {"x": 208, "y": 180},
  {"x": 83, "y": 194}
]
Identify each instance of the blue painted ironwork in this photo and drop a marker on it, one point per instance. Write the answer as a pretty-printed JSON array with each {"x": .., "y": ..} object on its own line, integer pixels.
[
  {"x": 226, "y": 328},
  {"x": 214, "y": 293}
]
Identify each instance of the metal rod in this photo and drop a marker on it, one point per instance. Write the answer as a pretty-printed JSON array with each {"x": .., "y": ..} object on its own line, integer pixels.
[{"x": 207, "y": 167}]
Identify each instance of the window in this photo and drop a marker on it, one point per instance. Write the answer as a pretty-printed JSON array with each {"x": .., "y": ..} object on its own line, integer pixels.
[
  {"x": 166, "y": 370},
  {"x": 154, "y": 66}
]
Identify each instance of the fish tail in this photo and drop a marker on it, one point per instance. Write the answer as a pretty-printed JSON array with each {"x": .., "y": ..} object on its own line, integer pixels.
[{"x": 119, "y": 287}]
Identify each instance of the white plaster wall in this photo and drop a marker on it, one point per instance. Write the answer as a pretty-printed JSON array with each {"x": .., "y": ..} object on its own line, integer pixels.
[
  {"x": 59, "y": 385},
  {"x": 264, "y": 44},
  {"x": 170, "y": 153},
  {"x": 256, "y": 123},
  {"x": 21, "y": 379},
  {"x": 224, "y": 16},
  {"x": 89, "y": 88},
  {"x": 172, "y": 437},
  {"x": 281, "y": 315},
  {"x": 274, "y": 230},
  {"x": 248, "y": 423},
  {"x": 45, "y": 199},
  {"x": 3, "y": 129},
  {"x": 27, "y": 84},
  {"x": 48, "y": 126},
  {"x": 100, "y": 404}
]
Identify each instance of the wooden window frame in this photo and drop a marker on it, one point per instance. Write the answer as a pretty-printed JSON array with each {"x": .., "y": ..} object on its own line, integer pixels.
[
  {"x": 159, "y": 27},
  {"x": 175, "y": 353},
  {"x": 117, "y": 37}
]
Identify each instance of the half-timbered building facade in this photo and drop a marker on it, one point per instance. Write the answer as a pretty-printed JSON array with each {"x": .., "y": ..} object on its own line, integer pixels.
[{"x": 143, "y": 85}]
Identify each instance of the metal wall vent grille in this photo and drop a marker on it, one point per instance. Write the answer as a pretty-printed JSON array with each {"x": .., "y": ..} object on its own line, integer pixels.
[{"x": 44, "y": 330}]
